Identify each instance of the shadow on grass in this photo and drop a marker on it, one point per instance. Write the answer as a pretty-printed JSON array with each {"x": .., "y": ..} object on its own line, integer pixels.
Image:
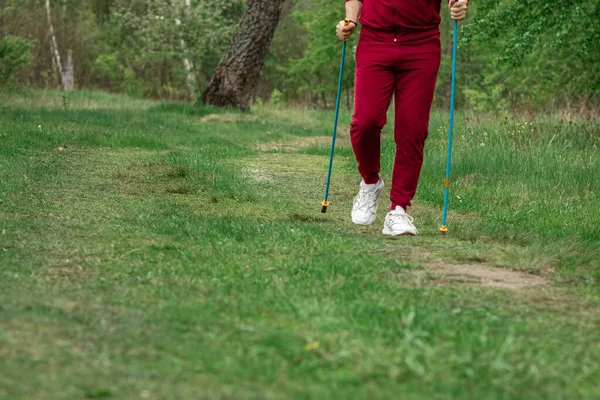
[
  {"x": 308, "y": 218},
  {"x": 198, "y": 109}
]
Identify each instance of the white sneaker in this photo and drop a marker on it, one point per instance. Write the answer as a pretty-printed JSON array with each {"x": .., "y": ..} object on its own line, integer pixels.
[
  {"x": 365, "y": 203},
  {"x": 398, "y": 222}
]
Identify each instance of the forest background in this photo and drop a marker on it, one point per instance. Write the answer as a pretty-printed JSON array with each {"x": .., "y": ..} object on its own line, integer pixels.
[{"x": 515, "y": 56}]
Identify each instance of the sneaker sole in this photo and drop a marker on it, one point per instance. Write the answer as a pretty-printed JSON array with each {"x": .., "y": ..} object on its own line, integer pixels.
[
  {"x": 391, "y": 233},
  {"x": 377, "y": 196}
]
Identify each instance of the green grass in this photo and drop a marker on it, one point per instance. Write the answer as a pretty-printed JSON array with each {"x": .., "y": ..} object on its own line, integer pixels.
[{"x": 172, "y": 252}]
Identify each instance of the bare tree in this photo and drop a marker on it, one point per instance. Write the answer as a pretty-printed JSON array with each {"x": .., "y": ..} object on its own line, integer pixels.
[
  {"x": 65, "y": 76},
  {"x": 53, "y": 45},
  {"x": 238, "y": 71},
  {"x": 187, "y": 63},
  {"x": 68, "y": 78}
]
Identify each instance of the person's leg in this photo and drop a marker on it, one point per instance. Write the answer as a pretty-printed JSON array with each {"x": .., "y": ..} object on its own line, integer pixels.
[
  {"x": 415, "y": 86},
  {"x": 374, "y": 86}
]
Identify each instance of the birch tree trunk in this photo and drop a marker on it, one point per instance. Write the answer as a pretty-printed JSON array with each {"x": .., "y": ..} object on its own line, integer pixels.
[
  {"x": 68, "y": 78},
  {"x": 238, "y": 71},
  {"x": 187, "y": 63},
  {"x": 54, "y": 46}
]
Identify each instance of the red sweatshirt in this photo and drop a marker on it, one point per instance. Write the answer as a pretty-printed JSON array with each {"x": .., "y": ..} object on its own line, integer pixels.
[{"x": 400, "y": 20}]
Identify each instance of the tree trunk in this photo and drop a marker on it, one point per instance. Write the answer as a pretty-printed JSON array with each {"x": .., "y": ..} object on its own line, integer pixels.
[
  {"x": 2, "y": 20},
  {"x": 187, "y": 63},
  {"x": 101, "y": 9},
  {"x": 68, "y": 79},
  {"x": 53, "y": 45},
  {"x": 237, "y": 74}
]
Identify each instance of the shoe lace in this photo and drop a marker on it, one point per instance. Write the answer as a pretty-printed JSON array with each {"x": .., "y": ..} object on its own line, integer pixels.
[
  {"x": 396, "y": 219},
  {"x": 366, "y": 199}
]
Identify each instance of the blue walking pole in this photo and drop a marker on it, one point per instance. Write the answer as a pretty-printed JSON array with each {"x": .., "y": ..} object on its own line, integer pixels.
[
  {"x": 444, "y": 228},
  {"x": 335, "y": 123}
]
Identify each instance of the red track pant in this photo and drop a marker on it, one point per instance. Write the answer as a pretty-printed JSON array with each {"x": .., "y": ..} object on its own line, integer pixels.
[{"x": 409, "y": 71}]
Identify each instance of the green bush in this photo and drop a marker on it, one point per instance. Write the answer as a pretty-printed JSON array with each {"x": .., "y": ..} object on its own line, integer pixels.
[
  {"x": 107, "y": 68},
  {"x": 14, "y": 54},
  {"x": 275, "y": 99},
  {"x": 131, "y": 85}
]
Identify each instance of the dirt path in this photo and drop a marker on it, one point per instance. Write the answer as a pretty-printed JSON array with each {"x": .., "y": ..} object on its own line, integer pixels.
[{"x": 441, "y": 274}]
